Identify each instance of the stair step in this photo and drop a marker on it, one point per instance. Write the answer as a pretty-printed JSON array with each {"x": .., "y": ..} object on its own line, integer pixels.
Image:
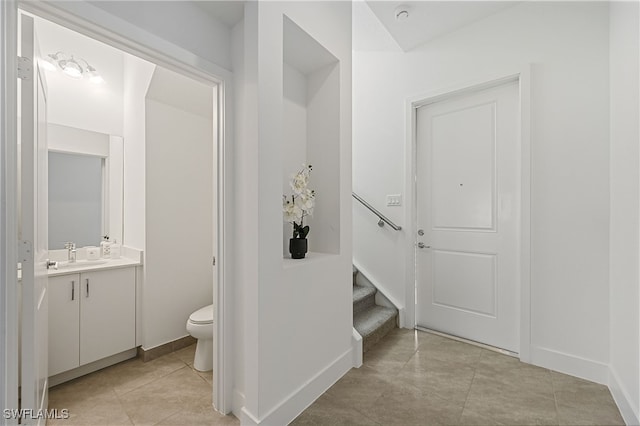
[
  {"x": 361, "y": 292},
  {"x": 374, "y": 323},
  {"x": 363, "y": 298}
]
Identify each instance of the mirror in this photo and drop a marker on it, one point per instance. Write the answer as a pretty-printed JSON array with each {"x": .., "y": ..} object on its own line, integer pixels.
[
  {"x": 75, "y": 199},
  {"x": 85, "y": 186}
]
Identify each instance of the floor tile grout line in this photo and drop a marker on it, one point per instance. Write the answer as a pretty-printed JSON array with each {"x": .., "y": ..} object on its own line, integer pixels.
[
  {"x": 555, "y": 398},
  {"x": 466, "y": 399},
  {"x": 122, "y": 406},
  {"x": 147, "y": 384},
  {"x": 156, "y": 378}
]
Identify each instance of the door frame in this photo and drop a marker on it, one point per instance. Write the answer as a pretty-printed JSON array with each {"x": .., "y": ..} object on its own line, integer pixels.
[
  {"x": 129, "y": 38},
  {"x": 523, "y": 76},
  {"x": 8, "y": 213}
]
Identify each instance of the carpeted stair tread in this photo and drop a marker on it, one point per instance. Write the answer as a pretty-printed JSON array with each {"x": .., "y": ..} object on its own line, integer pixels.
[
  {"x": 372, "y": 319},
  {"x": 364, "y": 298},
  {"x": 361, "y": 292}
]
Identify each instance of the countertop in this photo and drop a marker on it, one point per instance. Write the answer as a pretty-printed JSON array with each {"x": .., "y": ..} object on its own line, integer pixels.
[{"x": 66, "y": 268}]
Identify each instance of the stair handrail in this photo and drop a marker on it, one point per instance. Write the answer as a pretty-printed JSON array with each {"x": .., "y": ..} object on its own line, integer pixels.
[{"x": 383, "y": 218}]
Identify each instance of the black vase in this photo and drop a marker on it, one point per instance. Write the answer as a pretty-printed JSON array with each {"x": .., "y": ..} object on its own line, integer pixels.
[{"x": 298, "y": 247}]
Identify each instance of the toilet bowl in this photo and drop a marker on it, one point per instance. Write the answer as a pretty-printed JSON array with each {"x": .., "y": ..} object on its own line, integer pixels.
[{"x": 200, "y": 326}]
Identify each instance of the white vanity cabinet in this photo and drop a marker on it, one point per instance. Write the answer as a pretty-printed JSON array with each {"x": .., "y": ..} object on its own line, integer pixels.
[
  {"x": 92, "y": 315},
  {"x": 64, "y": 323},
  {"x": 107, "y": 313}
]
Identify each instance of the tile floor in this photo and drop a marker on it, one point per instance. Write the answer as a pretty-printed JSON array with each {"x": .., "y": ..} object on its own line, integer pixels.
[
  {"x": 164, "y": 391},
  {"x": 410, "y": 378},
  {"x": 416, "y": 378}
]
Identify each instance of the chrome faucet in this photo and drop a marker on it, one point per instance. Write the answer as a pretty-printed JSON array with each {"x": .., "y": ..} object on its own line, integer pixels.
[{"x": 71, "y": 252}]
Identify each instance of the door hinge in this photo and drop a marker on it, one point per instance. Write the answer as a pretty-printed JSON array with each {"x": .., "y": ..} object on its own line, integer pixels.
[
  {"x": 25, "y": 68},
  {"x": 214, "y": 261},
  {"x": 25, "y": 251}
]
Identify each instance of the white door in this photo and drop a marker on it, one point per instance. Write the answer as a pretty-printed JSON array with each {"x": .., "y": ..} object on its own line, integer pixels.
[
  {"x": 468, "y": 210},
  {"x": 33, "y": 228}
]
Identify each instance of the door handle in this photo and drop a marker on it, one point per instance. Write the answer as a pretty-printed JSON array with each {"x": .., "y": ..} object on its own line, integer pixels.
[
  {"x": 421, "y": 245},
  {"x": 73, "y": 290},
  {"x": 87, "y": 287}
]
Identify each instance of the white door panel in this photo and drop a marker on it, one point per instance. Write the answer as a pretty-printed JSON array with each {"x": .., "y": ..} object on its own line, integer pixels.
[
  {"x": 463, "y": 168},
  {"x": 33, "y": 232},
  {"x": 465, "y": 281},
  {"x": 468, "y": 207}
]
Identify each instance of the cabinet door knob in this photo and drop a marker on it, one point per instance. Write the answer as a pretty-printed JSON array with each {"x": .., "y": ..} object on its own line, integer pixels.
[
  {"x": 87, "y": 287},
  {"x": 73, "y": 290}
]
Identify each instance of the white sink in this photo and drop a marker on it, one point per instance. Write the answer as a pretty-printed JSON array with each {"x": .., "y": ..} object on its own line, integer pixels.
[{"x": 81, "y": 263}]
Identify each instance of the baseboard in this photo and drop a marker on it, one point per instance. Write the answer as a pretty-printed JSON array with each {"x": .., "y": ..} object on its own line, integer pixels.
[
  {"x": 91, "y": 367},
  {"x": 402, "y": 322},
  {"x": 298, "y": 401},
  {"x": 237, "y": 405},
  {"x": 166, "y": 348},
  {"x": 356, "y": 348},
  {"x": 624, "y": 403},
  {"x": 569, "y": 364}
]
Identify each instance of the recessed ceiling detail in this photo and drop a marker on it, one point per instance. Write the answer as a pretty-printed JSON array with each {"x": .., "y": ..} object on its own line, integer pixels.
[{"x": 414, "y": 23}]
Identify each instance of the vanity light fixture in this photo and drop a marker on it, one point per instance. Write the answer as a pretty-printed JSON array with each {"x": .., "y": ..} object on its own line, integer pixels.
[{"x": 71, "y": 66}]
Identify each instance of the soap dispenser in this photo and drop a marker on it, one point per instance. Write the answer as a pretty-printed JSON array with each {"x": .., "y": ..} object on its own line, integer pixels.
[
  {"x": 105, "y": 247},
  {"x": 115, "y": 250}
]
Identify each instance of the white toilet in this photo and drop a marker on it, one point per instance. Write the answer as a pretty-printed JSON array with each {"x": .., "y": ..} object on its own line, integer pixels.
[{"x": 200, "y": 326}]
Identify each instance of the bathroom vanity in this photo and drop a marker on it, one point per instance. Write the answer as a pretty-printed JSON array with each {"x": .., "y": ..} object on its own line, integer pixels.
[{"x": 92, "y": 316}]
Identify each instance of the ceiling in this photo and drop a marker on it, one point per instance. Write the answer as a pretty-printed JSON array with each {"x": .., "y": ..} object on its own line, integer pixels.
[
  {"x": 430, "y": 19},
  {"x": 228, "y": 12},
  {"x": 427, "y": 21},
  {"x": 107, "y": 60}
]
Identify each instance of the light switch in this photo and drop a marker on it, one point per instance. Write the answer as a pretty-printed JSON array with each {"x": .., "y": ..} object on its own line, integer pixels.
[{"x": 394, "y": 200}]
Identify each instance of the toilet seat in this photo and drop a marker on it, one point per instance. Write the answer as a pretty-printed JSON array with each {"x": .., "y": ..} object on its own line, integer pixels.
[{"x": 202, "y": 316}]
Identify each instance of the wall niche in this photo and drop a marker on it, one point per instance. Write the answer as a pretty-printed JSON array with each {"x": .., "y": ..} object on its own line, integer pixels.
[{"x": 311, "y": 132}]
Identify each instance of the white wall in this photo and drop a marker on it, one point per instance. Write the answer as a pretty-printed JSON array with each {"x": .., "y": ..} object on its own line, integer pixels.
[
  {"x": 137, "y": 76},
  {"x": 178, "y": 273},
  {"x": 182, "y": 23},
  {"x": 297, "y": 321},
  {"x": 567, "y": 47},
  {"x": 624, "y": 23},
  {"x": 294, "y": 113},
  {"x": 239, "y": 217}
]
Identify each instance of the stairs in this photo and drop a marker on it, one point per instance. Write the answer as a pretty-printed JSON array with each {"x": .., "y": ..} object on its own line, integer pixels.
[{"x": 371, "y": 321}]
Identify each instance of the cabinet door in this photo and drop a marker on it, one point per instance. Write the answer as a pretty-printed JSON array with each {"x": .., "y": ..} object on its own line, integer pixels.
[
  {"x": 64, "y": 323},
  {"x": 107, "y": 313}
]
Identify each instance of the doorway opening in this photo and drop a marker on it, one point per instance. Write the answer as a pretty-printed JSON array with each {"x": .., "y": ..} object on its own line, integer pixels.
[
  {"x": 455, "y": 209},
  {"x": 171, "y": 174}
]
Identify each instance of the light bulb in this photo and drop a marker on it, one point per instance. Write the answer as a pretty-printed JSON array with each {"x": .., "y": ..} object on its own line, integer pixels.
[{"x": 71, "y": 68}]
